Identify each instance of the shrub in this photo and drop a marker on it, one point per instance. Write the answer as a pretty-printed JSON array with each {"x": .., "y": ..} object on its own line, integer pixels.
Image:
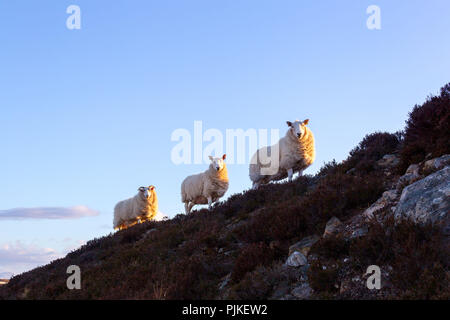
[
  {"x": 418, "y": 255},
  {"x": 427, "y": 129},
  {"x": 255, "y": 254},
  {"x": 322, "y": 280},
  {"x": 372, "y": 148}
]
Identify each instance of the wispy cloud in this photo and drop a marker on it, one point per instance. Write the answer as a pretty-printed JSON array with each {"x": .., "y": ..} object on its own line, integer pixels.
[
  {"x": 47, "y": 213},
  {"x": 19, "y": 257}
]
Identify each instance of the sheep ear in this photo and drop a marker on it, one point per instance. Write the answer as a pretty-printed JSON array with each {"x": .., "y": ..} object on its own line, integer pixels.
[
  {"x": 141, "y": 189},
  {"x": 306, "y": 121},
  {"x": 289, "y": 123},
  {"x": 224, "y": 157},
  {"x": 211, "y": 158}
]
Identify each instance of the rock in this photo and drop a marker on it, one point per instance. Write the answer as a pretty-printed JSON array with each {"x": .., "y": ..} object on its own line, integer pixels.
[
  {"x": 281, "y": 290},
  {"x": 369, "y": 212},
  {"x": 411, "y": 176},
  {"x": 303, "y": 272},
  {"x": 225, "y": 282},
  {"x": 296, "y": 259},
  {"x": 388, "y": 161},
  {"x": 388, "y": 198},
  {"x": 427, "y": 200},
  {"x": 436, "y": 163},
  {"x": 333, "y": 227},
  {"x": 303, "y": 291},
  {"x": 304, "y": 245},
  {"x": 360, "y": 232},
  {"x": 412, "y": 169},
  {"x": 390, "y": 195}
]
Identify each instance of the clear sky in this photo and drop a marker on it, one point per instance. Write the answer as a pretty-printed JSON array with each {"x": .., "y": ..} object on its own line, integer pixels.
[{"x": 86, "y": 116}]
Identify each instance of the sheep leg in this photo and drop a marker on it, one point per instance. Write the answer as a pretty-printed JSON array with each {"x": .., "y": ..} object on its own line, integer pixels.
[
  {"x": 255, "y": 185},
  {"x": 209, "y": 203},
  {"x": 191, "y": 204},
  {"x": 290, "y": 174},
  {"x": 186, "y": 207}
]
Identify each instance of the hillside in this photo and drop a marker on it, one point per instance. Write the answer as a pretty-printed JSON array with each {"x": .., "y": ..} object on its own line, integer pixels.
[{"x": 329, "y": 228}]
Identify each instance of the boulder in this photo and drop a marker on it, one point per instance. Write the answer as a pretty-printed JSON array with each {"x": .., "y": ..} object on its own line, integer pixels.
[
  {"x": 333, "y": 227},
  {"x": 296, "y": 259},
  {"x": 427, "y": 200},
  {"x": 388, "y": 198},
  {"x": 302, "y": 292},
  {"x": 411, "y": 175},
  {"x": 436, "y": 163},
  {"x": 304, "y": 245}
]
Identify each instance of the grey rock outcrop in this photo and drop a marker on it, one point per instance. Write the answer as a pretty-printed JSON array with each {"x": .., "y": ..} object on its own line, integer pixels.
[
  {"x": 427, "y": 200},
  {"x": 296, "y": 259},
  {"x": 304, "y": 245}
]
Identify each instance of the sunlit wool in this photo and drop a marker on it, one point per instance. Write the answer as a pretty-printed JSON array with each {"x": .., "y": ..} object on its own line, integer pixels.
[
  {"x": 137, "y": 209},
  {"x": 206, "y": 187},
  {"x": 295, "y": 154}
]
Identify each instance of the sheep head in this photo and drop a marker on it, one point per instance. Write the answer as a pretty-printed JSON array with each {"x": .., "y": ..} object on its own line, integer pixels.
[
  {"x": 298, "y": 127},
  {"x": 146, "y": 192},
  {"x": 218, "y": 163}
]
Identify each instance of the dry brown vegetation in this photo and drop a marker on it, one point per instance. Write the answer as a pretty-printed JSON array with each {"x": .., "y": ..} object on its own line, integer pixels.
[{"x": 247, "y": 236}]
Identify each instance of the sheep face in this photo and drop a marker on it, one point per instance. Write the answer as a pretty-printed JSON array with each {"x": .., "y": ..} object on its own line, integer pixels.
[
  {"x": 146, "y": 192},
  {"x": 298, "y": 127},
  {"x": 218, "y": 163}
]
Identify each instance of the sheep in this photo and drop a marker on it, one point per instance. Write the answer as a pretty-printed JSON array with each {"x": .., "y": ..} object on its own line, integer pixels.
[
  {"x": 295, "y": 150},
  {"x": 142, "y": 207},
  {"x": 206, "y": 187}
]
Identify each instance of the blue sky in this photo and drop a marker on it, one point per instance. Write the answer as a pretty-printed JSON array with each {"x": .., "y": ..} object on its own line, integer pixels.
[{"x": 86, "y": 116}]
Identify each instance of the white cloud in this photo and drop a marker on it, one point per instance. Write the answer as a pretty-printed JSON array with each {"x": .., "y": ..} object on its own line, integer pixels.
[
  {"x": 47, "y": 213},
  {"x": 18, "y": 257}
]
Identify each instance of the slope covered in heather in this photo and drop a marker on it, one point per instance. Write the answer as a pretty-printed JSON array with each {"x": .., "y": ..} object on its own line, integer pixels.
[{"x": 239, "y": 249}]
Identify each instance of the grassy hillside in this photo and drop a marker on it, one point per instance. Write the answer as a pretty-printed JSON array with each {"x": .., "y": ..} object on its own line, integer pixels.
[{"x": 238, "y": 249}]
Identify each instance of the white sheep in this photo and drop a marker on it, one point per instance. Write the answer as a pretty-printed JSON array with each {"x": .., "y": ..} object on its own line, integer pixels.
[
  {"x": 142, "y": 207},
  {"x": 295, "y": 150},
  {"x": 206, "y": 187}
]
